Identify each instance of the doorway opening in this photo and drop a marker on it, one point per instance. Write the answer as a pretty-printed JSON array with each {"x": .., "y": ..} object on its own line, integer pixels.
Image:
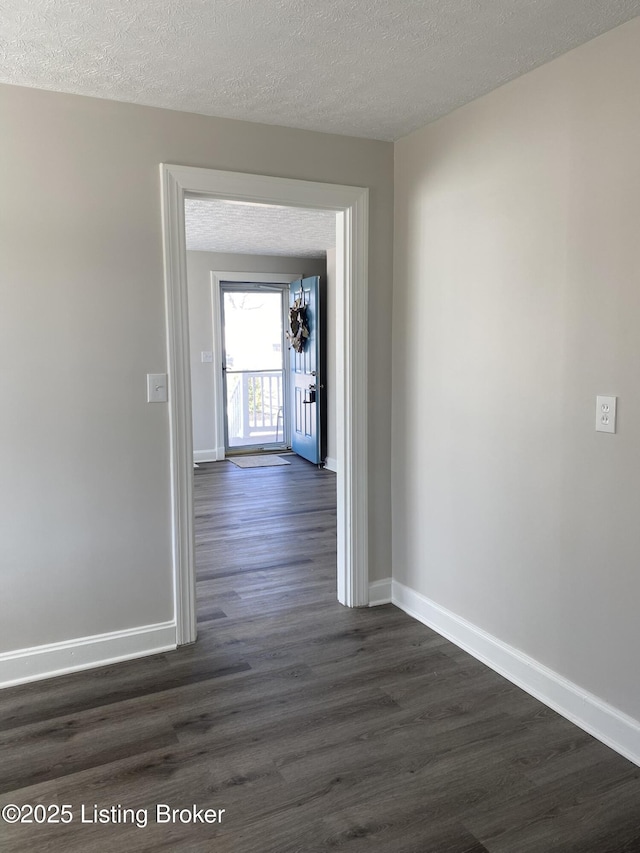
[
  {"x": 351, "y": 205},
  {"x": 256, "y": 399}
]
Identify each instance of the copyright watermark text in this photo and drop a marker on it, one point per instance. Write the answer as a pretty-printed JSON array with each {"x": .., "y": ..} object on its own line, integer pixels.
[{"x": 160, "y": 813}]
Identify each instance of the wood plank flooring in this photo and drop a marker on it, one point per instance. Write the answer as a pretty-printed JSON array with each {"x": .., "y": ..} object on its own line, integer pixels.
[{"x": 316, "y": 728}]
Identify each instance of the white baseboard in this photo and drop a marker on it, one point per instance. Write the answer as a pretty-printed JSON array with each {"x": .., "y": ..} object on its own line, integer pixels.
[
  {"x": 380, "y": 592},
  {"x": 606, "y": 723},
  {"x": 33, "y": 664},
  {"x": 331, "y": 464},
  {"x": 216, "y": 454}
]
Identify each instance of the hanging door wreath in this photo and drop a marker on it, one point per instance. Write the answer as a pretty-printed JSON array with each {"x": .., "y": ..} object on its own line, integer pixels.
[{"x": 299, "y": 325}]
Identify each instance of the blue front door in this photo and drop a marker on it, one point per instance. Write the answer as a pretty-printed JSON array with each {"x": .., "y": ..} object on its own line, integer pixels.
[{"x": 307, "y": 383}]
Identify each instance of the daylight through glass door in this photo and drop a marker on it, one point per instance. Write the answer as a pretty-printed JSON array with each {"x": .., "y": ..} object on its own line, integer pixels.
[{"x": 254, "y": 367}]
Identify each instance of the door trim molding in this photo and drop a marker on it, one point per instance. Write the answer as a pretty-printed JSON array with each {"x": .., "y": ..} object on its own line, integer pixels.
[{"x": 352, "y": 206}]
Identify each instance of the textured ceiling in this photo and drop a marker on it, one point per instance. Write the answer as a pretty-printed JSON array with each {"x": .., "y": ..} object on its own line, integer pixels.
[
  {"x": 373, "y": 68},
  {"x": 251, "y": 229}
]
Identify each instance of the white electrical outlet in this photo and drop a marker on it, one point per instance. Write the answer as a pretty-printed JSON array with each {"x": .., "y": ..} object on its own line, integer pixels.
[
  {"x": 206, "y": 357},
  {"x": 606, "y": 414}
]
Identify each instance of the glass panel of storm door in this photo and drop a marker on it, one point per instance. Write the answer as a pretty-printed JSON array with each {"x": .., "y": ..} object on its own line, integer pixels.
[{"x": 254, "y": 368}]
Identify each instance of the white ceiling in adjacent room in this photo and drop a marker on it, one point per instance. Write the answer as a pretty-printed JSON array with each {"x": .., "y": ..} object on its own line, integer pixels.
[
  {"x": 213, "y": 225},
  {"x": 372, "y": 68}
]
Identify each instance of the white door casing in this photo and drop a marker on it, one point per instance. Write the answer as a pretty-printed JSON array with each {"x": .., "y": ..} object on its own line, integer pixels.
[{"x": 352, "y": 207}]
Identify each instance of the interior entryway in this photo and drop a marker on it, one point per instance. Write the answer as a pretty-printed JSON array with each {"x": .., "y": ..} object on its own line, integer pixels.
[{"x": 350, "y": 206}]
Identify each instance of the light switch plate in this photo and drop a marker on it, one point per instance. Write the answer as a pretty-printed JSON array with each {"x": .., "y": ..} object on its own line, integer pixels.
[
  {"x": 206, "y": 357},
  {"x": 606, "y": 414},
  {"x": 156, "y": 387}
]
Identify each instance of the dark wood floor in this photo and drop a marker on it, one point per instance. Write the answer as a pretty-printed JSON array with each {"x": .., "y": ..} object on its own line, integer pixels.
[{"x": 317, "y": 728}]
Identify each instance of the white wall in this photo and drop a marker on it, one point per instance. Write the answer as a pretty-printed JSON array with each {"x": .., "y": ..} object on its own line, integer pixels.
[
  {"x": 516, "y": 301},
  {"x": 199, "y": 268},
  {"x": 84, "y": 506}
]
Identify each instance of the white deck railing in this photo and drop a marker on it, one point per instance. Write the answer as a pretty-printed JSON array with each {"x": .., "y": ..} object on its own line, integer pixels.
[{"x": 255, "y": 404}]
